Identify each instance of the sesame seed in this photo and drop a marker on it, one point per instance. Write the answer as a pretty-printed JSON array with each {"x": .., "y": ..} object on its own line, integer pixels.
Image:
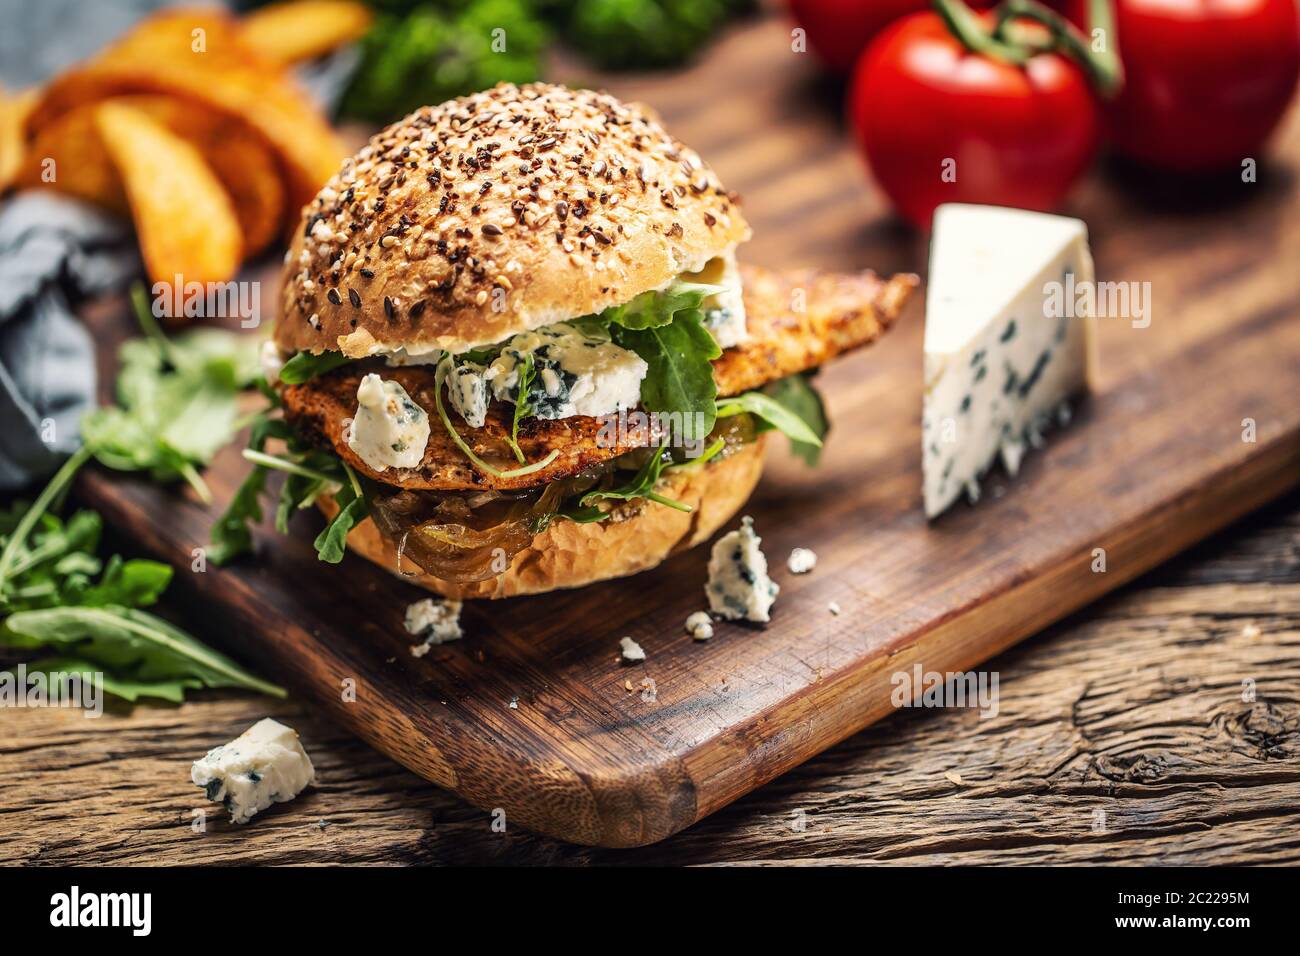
[
  {"x": 354, "y": 298},
  {"x": 491, "y": 229},
  {"x": 333, "y": 296}
]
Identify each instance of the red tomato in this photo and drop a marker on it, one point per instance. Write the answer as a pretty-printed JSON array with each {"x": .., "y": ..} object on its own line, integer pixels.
[
  {"x": 941, "y": 124},
  {"x": 1206, "y": 81},
  {"x": 838, "y": 30}
]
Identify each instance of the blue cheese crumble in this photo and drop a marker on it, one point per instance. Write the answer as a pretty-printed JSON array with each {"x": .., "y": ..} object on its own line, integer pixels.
[
  {"x": 437, "y": 621},
  {"x": 264, "y": 765},
  {"x": 724, "y": 311},
  {"x": 699, "y": 626},
  {"x": 389, "y": 430},
  {"x": 739, "y": 587},
  {"x": 573, "y": 373},
  {"x": 801, "y": 560}
]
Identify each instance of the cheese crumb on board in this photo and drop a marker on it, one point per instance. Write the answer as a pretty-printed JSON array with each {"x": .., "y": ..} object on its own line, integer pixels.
[
  {"x": 700, "y": 626},
  {"x": 739, "y": 587},
  {"x": 801, "y": 561},
  {"x": 264, "y": 765},
  {"x": 999, "y": 361},
  {"x": 437, "y": 621}
]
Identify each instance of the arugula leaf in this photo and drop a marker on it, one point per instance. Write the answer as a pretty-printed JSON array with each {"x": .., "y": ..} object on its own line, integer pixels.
[
  {"x": 680, "y": 377},
  {"x": 796, "y": 393},
  {"x": 232, "y": 533},
  {"x": 17, "y": 540},
  {"x": 134, "y": 645},
  {"x": 331, "y": 543},
  {"x": 523, "y": 408},
  {"x": 771, "y": 412},
  {"x": 305, "y": 366},
  {"x": 641, "y": 485},
  {"x": 131, "y": 689},
  {"x": 666, "y": 328},
  {"x": 176, "y": 400},
  {"x": 135, "y": 583}
]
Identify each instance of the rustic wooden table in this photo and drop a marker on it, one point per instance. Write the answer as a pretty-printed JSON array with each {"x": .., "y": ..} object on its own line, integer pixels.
[
  {"x": 1160, "y": 725},
  {"x": 1124, "y": 736}
]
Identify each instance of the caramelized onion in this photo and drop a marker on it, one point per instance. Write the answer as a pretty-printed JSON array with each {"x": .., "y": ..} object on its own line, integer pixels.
[{"x": 475, "y": 536}]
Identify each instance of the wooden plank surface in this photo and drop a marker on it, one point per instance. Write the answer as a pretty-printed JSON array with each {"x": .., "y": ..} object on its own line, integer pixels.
[
  {"x": 1132, "y": 708},
  {"x": 1154, "y": 462}
]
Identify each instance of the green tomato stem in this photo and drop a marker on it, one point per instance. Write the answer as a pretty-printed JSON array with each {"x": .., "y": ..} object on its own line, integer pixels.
[{"x": 967, "y": 27}]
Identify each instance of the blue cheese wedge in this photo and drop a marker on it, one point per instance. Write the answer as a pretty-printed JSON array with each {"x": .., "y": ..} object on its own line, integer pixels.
[
  {"x": 999, "y": 365},
  {"x": 264, "y": 765},
  {"x": 739, "y": 588},
  {"x": 389, "y": 430}
]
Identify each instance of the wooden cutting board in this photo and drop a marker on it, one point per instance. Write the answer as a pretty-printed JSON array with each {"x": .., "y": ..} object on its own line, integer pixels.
[{"x": 531, "y": 713}]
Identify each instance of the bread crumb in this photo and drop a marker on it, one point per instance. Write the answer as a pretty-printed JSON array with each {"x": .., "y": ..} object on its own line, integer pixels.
[{"x": 953, "y": 778}]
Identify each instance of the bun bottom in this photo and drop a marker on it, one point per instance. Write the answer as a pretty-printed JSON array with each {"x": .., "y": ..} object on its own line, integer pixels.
[{"x": 570, "y": 555}]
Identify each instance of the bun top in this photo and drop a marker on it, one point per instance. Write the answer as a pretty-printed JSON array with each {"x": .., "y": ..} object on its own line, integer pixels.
[{"x": 497, "y": 213}]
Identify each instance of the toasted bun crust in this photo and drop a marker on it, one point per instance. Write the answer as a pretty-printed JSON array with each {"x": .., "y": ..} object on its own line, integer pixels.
[
  {"x": 496, "y": 213},
  {"x": 569, "y": 555}
]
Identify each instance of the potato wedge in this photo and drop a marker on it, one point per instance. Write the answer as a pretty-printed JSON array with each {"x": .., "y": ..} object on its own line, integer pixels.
[
  {"x": 304, "y": 29},
  {"x": 185, "y": 222},
  {"x": 197, "y": 55},
  {"x": 14, "y": 108},
  {"x": 69, "y": 156}
]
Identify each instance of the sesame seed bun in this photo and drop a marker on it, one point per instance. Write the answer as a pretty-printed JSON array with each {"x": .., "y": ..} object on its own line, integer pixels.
[
  {"x": 570, "y": 555},
  {"x": 497, "y": 213}
]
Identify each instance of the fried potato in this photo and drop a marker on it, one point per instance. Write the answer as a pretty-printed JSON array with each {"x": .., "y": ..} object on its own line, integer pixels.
[
  {"x": 81, "y": 165},
  {"x": 322, "y": 406},
  {"x": 198, "y": 56},
  {"x": 14, "y": 108},
  {"x": 184, "y": 220},
  {"x": 303, "y": 30},
  {"x": 798, "y": 320}
]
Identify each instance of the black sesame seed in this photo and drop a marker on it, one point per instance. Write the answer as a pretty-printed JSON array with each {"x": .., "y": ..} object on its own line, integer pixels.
[
  {"x": 491, "y": 229},
  {"x": 333, "y": 296},
  {"x": 388, "y": 308},
  {"x": 368, "y": 273},
  {"x": 354, "y": 298}
]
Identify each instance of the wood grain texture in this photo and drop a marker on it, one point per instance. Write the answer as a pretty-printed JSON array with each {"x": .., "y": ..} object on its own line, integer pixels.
[
  {"x": 1154, "y": 462},
  {"x": 1132, "y": 708}
]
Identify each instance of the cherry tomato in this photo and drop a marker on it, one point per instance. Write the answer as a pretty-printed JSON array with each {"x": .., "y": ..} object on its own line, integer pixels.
[
  {"x": 839, "y": 30},
  {"x": 939, "y": 123},
  {"x": 1206, "y": 81}
]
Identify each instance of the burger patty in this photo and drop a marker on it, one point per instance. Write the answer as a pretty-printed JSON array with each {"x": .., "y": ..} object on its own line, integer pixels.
[
  {"x": 841, "y": 312},
  {"x": 320, "y": 408}
]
